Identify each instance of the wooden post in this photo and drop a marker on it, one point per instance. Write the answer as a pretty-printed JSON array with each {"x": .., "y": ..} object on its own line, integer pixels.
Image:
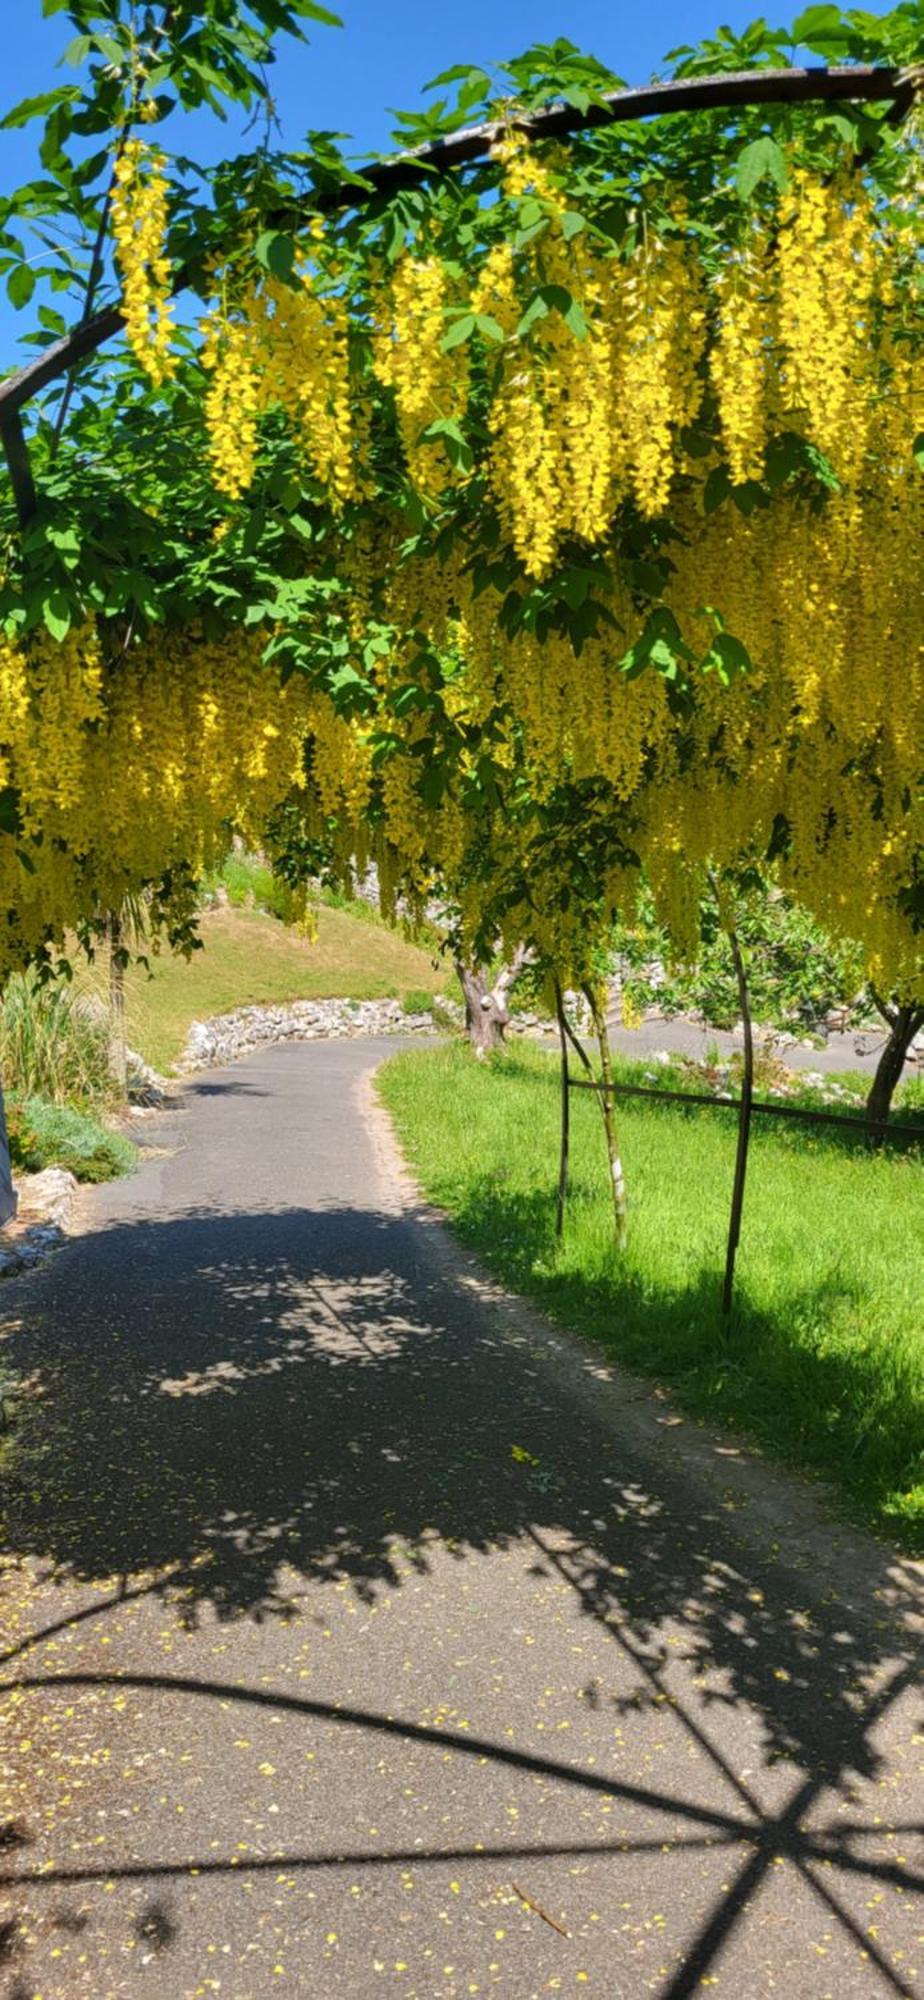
[
  {"x": 118, "y": 1057},
  {"x": 744, "y": 1120},
  {"x": 565, "y": 1110},
  {"x": 607, "y": 1107}
]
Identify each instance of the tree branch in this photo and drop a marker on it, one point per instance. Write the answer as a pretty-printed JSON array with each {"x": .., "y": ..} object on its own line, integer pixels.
[{"x": 16, "y": 451}]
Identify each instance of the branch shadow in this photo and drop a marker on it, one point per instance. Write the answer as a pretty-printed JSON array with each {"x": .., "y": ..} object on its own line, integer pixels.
[{"x": 270, "y": 1401}]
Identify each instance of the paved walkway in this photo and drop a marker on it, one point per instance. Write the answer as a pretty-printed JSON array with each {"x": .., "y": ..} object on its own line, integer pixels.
[
  {"x": 858, "y": 1051},
  {"x": 365, "y": 1637}
]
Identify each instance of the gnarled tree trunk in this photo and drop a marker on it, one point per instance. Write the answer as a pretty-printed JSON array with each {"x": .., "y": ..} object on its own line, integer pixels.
[
  {"x": 903, "y": 1024},
  {"x": 486, "y": 1013}
]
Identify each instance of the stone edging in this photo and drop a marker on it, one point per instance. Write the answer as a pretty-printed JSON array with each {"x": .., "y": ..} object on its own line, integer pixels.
[
  {"x": 227, "y": 1037},
  {"x": 46, "y": 1202}
]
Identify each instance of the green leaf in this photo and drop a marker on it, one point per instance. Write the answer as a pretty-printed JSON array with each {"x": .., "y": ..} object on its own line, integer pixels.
[
  {"x": 113, "y": 51},
  {"x": 36, "y": 107},
  {"x": 717, "y": 488},
  {"x": 762, "y": 158},
  {"x": 459, "y": 332},
  {"x": 576, "y": 319},
  {"x": 696, "y": 443},
  {"x": 458, "y": 449},
  {"x": 727, "y": 656},
  {"x": 56, "y": 611},
  {"x": 788, "y": 453},
  {"x": 917, "y": 451},
  {"x": 659, "y": 644},
  {"x": 276, "y": 253},
  {"x": 489, "y": 328},
  {"x": 65, "y": 540},
  {"x": 535, "y": 311},
  {"x": 820, "y": 25},
  {"x": 286, "y": 490},
  {"x": 553, "y": 298},
  {"x": 10, "y": 821},
  {"x": 20, "y": 285},
  {"x": 309, "y": 10},
  {"x": 572, "y": 224}
]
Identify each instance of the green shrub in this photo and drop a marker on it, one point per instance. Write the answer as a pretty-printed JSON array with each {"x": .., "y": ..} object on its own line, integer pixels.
[
  {"x": 249, "y": 883},
  {"x": 910, "y": 1095},
  {"x": 51, "y": 1044},
  {"x": 416, "y": 1001},
  {"x": 56, "y": 1135},
  {"x": 795, "y": 972}
]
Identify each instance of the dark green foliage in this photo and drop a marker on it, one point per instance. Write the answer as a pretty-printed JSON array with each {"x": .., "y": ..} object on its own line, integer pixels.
[{"x": 58, "y": 1135}]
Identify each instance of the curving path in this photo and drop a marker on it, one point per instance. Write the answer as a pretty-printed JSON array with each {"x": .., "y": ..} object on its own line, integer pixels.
[{"x": 364, "y": 1636}]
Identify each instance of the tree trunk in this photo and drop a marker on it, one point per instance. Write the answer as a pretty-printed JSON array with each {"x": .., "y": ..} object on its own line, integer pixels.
[
  {"x": 118, "y": 1059},
  {"x": 7, "y": 1191},
  {"x": 608, "y": 1111},
  {"x": 486, "y": 1014},
  {"x": 903, "y": 1024}
]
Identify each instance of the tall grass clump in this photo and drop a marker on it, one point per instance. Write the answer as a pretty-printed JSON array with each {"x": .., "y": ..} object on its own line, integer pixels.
[{"x": 51, "y": 1044}]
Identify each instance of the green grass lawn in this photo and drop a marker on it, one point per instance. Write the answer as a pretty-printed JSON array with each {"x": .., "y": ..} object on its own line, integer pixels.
[
  {"x": 250, "y": 957},
  {"x": 823, "y": 1360}
]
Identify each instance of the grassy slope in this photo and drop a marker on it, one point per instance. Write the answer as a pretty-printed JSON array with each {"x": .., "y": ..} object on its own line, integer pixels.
[
  {"x": 250, "y": 957},
  {"x": 824, "y": 1360}
]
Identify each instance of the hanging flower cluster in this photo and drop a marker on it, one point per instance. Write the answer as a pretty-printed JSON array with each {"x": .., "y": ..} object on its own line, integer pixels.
[
  {"x": 712, "y": 441},
  {"x": 232, "y": 401},
  {"x": 139, "y": 228},
  {"x": 801, "y": 725},
  {"x": 124, "y": 770}
]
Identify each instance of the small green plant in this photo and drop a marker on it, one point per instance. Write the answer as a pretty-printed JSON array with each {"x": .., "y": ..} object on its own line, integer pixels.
[
  {"x": 52, "y": 1045},
  {"x": 247, "y": 882},
  {"x": 416, "y": 1001},
  {"x": 910, "y": 1096},
  {"x": 57, "y": 1135}
]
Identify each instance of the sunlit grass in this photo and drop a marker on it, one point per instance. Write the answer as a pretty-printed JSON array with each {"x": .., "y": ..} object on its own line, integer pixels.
[{"x": 823, "y": 1360}]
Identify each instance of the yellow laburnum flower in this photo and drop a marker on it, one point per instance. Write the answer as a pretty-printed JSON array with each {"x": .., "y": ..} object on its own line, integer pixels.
[
  {"x": 231, "y": 401},
  {"x": 139, "y": 226},
  {"x": 741, "y": 357}
]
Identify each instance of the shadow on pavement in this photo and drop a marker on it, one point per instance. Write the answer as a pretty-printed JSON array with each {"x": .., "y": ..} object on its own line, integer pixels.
[{"x": 236, "y": 1405}]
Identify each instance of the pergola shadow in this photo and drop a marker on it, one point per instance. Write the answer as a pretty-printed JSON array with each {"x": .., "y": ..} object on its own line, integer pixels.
[{"x": 284, "y": 1399}]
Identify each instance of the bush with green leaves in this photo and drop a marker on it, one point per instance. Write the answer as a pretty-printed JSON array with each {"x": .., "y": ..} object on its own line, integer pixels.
[
  {"x": 247, "y": 882},
  {"x": 59, "y": 1135},
  {"x": 416, "y": 1001},
  {"x": 796, "y": 974}
]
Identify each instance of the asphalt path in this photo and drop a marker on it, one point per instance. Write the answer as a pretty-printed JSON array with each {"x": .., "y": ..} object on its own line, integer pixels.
[{"x": 364, "y": 1635}]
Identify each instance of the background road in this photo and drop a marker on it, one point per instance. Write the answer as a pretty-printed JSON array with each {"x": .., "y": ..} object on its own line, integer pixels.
[{"x": 364, "y": 1636}]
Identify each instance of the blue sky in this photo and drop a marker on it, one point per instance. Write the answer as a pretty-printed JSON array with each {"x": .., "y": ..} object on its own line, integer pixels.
[{"x": 388, "y": 49}]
